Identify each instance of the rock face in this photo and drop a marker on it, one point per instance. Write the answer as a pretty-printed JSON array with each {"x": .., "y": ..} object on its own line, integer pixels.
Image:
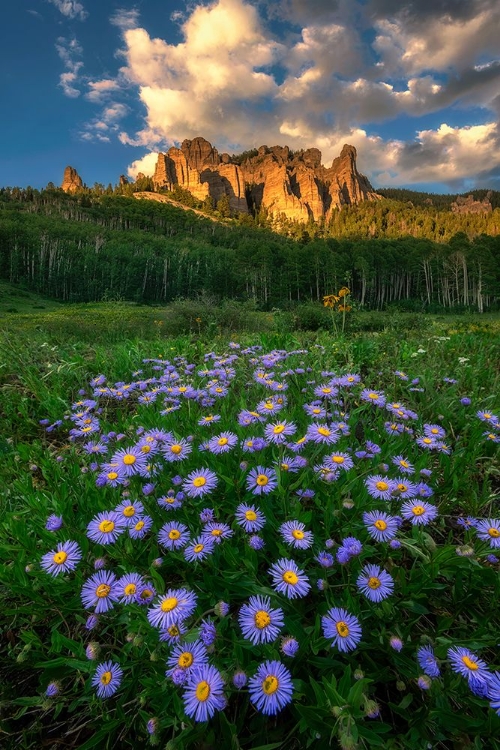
[
  {"x": 470, "y": 206},
  {"x": 71, "y": 180},
  {"x": 294, "y": 185}
]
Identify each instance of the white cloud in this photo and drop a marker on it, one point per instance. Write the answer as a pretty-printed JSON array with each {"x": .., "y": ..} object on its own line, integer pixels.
[
  {"x": 106, "y": 124},
  {"x": 125, "y": 19},
  {"x": 145, "y": 164},
  {"x": 99, "y": 90},
  {"x": 71, "y": 9},
  {"x": 69, "y": 51}
]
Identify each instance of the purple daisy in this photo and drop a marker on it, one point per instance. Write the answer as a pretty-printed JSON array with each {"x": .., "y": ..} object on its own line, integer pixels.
[
  {"x": 249, "y": 518},
  {"x": 203, "y": 695},
  {"x": 54, "y": 523},
  {"x": 176, "y": 450},
  {"x": 145, "y": 594},
  {"x": 379, "y": 487},
  {"x": 187, "y": 656},
  {"x": 377, "y": 398},
  {"x": 288, "y": 579},
  {"x": 419, "y": 512},
  {"x": 107, "y": 679},
  {"x": 294, "y": 533},
  {"x": 173, "y": 633},
  {"x": 261, "y": 481},
  {"x": 259, "y": 623},
  {"x": 380, "y": 526},
  {"x": 128, "y": 586},
  {"x": 141, "y": 527},
  {"x": 428, "y": 662},
  {"x": 130, "y": 511},
  {"x": 174, "y": 535},
  {"x": 100, "y": 591},
  {"x": 343, "y": 628},
  {"x": 278, "y": 432},
  {"x": 64, "y": 558},
  {"x": 271, "y": 687},
  {"x": 217, "y": 531},
  {"x": 339, "y": 461},
  {"x": 173, "y": 607},
  {"x": 488, "y": 530},
  {"x": 222, "y": 443},
  {"x": 129, "y": 460},
  {"x": 376, "y": 584},
  {"x": 465, "y": 662},
  {"x": 199, "y": 549},
  {"x": 105, "y": 528},
  {"x": 403, "y": 464},
  {"x": 322, "y": 433},
  {"x": 199, "y": 483}
]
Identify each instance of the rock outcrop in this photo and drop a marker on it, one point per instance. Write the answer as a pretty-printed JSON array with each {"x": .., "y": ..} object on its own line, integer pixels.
[
  {"x": 71, "y": 180},
  {"x": 295, "y": 185},
  {"x": 470, "y": 206}
]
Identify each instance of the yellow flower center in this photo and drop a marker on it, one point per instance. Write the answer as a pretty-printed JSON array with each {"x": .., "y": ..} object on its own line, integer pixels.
[
  {"x": 185, "y": 660},
  {"x": 486, "y": 415},
  {"x": 129, "y": 459},
  {"x": 249, "y": 443},
  {"x": 495, "y": 533},
  {"x": 256, "y": 413},
  {"x": 326, "y": 390},
  {"x": 112, "y": 475},
  {"x": 290, "y": 577},
  {"x": 469, "y": 663},
  {"x": 130, "y": 589},
  {"x": 209, "y": 418},
  {"x": 60, "y": 557},
  {"x": 342, "y": 629},
  {"x": 106, "y": 526},
  {"x": 202, "y": 691},
  {"x": 262, "y": 480},
  {"x": 270, "y": 684},
  {"x": 374, "y": 583},
  {"x": 251, "y": 515},
  {"x": 324, "y": 431},
  {"x": 373, "y": 396},
  {"x": 382, "y": 486},
  {"x": 316, "y": 411},
  {"x": 169, "y": 604},
  {"x": 199, "y": 481},
  {"x": 106, "y": 678},
  {"x": 262, "y": 619},
  {"x": 278, "y": 429},
  {"x": 380, "y": 524},
  {"x": 403, "y": 487},
  {"x": 102, "y": 590},
  {"x": 418, "y": 510},
  {"x": 139, "y": 525},
  {"x": 285, "y": 467},
  {"x": 146, "y": 593},
  {"x": 223, "y": 441},
  {"x": 145, "y": 448},
  {"x": 427, "y": 440},
  {"x": 338, "y": 459},
  {"x": 404, "y": 464},
  {"x": 174, "y": 631},
  {"x": 198, "y": 548},
  {"x": 129, "y": 511},
  {"x": 182, "y": 389},
  {"x": 298, "y": 534},
  {"x": 176, "y": 449},
  {"x": 174, "y": 534}
]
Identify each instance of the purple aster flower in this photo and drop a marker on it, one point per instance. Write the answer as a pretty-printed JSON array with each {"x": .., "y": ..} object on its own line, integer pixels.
[
  {"x": 419, "y": 512},
  {"x": 339, "y": 461},
  {"x": 380, "y": 487},
  {"x": 342, "y": 627},
  {"x": 91, "y": 622},
  {"x": 199, "y": 549},
  {"x": 278, "y": 432},
  {"x": 403, "y": 464},
  {"x": 152, "y": 726},
  {"x": 203, "y": 695},
  {"x": 128, "y": 586},
  {"x": 105, "y": 528},
  {"x": 92, "y": 651},
  {"x": 470, "y": 666},
  {"x": 145, "y": 594},
  {"x": 54, "y": 523},
  {"x": 199, "y": 483},
  {"x": 261, "y": 481},
  {"x": 239, "y": 679},
  {"x": 259, "y": 623},
  {"x": 373, "y": 397},
  {"x": 350, "y": 547},
  {"x": 404, "y": 489},
  {"x": 222, "y": 443},
  {"x": 107, "y": 679},
  {"x": 427, "y": 442},
  {"x": 289, "y": 646},
  {"x": 52, "y": 689},
  {"x": 423, "y": 490},
  {"x": 141, "y": 527},
  {"x": 174, "y": 535},
  {"x": 376, "y": 584},
  {"x": 465, "y": 401},
  {"x": 131, "y": 511},
  {"x": 256, "y": 542},
  {"x": 325, "y": 559},
  {"x": 395, "y": 544},
  {"x": 488, "y": 530},
  {"x": 322, "y": 433},
  {"x": 208, "y": 632},
  {"x": 207, "y": 515},
  {"x": 173, "y": 633},
  {"x": 396, "y": 643},
  {"x": 176, "y": 450},
  {"x": 380, "y": 526},
  {"x": 221, "y": 609},
  {"x": 129, "y": 461},
  {"x": 217, "y": 531},
  {"x": 173, "y": 607},
  {"x": 305, "y": 494},
  {"x": 424, "y": 682},
  {"x": 100, "y": 591},
  {"x": 288, "y": 579},
  {"x": 249, "y": 517},
  {"x": 487, "y": 416},
  {"x": 494, "y": 691},
  {"x": 187, "y": 656},
  {"x": 434, "y": 431},
  {"x": 171, "y": 500},
  {"x": 64, "y": 558},
  {"x": 428, "y": 662},
  {"x": 209, "y": 419},
  {"x": 293, "y": 533},
  {"x": 271, "y": 688}
]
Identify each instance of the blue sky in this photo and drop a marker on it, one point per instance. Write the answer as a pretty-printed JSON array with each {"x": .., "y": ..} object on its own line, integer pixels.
[{"x": 104, "y": 85}]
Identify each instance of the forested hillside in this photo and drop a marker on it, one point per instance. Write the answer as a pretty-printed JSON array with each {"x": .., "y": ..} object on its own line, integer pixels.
[{"x": 94, "y": 246}]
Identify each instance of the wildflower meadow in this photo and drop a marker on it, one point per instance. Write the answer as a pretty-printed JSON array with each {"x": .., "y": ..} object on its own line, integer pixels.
[{"x": 264, "y": 542}]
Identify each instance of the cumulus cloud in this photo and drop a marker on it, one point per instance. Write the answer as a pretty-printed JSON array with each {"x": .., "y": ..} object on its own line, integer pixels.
[
  {"x": 72, "y": 9},
  {"x": 69, "y": 50},
  {"x": 145, "y": 164},
  {"x": 99, "y": 90},
  {"x": 101, "y": 128}
]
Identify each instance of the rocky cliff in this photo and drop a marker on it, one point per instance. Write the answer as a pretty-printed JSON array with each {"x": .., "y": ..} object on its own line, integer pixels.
[
  {"x": 470, "y": 206},
  {"x": 295, "y": 185},
  {"x": 71, "y": 180}
]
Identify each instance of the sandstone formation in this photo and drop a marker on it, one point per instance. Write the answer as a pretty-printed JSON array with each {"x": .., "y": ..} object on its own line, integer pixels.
[
  {"x": 470, "y": 206},
  {"x": 294, "y": 185},
  {"x": 71, "y": 180}
]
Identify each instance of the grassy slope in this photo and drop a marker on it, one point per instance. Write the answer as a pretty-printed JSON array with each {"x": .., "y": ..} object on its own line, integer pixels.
[{"x": 14, "y": 300}]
